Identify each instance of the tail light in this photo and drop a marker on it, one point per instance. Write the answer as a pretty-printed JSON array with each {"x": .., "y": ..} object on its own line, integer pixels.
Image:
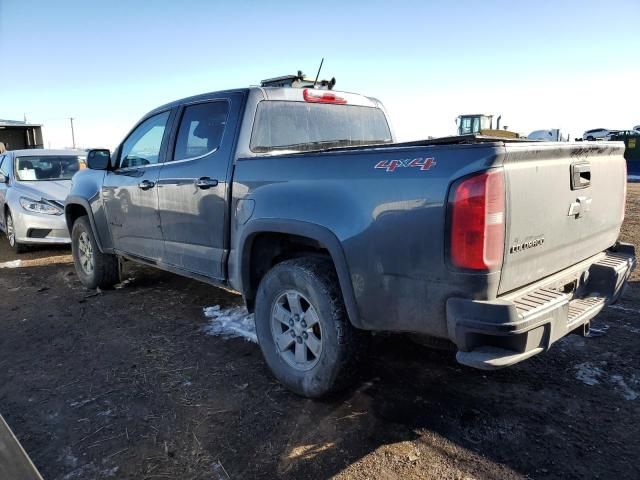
[
  {"x": 478, "y": 222},
  {"x": 312, "y": 96}
]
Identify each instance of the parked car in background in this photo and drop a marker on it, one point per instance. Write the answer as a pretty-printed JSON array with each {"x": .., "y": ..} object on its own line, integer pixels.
[
  {"x": 33, "y": 186},
  {"x": 300, "y": 200},
  {"x": 551, "y": 135},
  {"x": 615, "y": 134},
  {"x": 597, "y": 134},
  {"x": 637, "y": 128}
]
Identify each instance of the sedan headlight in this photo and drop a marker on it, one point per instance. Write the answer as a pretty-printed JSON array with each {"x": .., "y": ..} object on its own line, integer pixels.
[{"x": 38, "y": 206}]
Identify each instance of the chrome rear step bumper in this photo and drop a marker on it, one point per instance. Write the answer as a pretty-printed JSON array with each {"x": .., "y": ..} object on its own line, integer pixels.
[{"x": 498, "y": 333}]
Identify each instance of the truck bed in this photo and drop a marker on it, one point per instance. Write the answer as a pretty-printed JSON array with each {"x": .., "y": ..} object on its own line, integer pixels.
[{"x": 392, "y": 221}]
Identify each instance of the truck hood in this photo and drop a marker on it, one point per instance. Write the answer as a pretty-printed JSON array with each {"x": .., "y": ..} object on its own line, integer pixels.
[{"x": 49, "y": 190}]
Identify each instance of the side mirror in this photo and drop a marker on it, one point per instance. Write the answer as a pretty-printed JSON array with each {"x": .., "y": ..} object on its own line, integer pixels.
[
  {"x": 98, "y": 159},
  {"x": 3, "y": 178}
]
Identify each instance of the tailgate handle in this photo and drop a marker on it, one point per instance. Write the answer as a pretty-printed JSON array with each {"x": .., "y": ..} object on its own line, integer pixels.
[{"x": 580, "y": 175}]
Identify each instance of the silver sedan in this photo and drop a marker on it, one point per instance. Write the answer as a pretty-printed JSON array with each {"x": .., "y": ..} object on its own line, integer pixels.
[{"x": 33, "y": 187}]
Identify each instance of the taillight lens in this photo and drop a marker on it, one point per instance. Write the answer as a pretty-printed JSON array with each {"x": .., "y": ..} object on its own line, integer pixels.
[
  {"x": 324, "y": 97},
  {"x": 477, "y": 222}
]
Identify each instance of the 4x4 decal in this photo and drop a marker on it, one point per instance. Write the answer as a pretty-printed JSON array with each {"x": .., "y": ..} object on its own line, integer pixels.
[{"x": 421, "y": 163}]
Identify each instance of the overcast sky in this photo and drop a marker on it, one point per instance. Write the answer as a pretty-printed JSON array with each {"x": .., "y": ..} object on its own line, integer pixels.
[{"x": 569, "y": 65}]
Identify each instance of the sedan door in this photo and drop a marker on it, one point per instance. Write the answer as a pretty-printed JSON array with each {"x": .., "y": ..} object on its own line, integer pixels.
[
  {"x": 5, "y": 159},
  {"x": 129, "y": 191},
  {"x": 193, "y": 186}
]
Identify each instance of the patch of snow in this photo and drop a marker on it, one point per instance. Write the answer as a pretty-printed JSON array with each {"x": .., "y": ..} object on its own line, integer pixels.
[
  {"x": 627, "y": 392},
  {"x": 89, "y": 470},
  {"x": 588, "y": 373},
  {"x": 591, "y": 374},
  {"x": 123, "y": 284},
  {"x": 69, "y": 460},
  {"x": 231, "y": 322},
  {"x": 598, "y": 331},
  {"x": 631, "y": 329},
  {"x": 219, "y": 472},
  {"x": 624, "y": 309},
  {"x": 11, "y": 264},
  {"x": 110, "y": 472}
]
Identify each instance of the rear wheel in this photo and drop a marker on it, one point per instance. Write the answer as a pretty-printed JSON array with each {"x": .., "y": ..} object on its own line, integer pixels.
[
  {"x": 94, "y": 268},
  {"x": 303, "y": 329},
  {"x": 16, "y": 246}
]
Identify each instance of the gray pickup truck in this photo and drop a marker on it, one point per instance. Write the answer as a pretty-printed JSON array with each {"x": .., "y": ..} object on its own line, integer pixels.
[{"x": 300, "y": 200}]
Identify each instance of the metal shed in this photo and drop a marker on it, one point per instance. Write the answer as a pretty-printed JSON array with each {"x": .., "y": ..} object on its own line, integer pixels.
[{"x": 18, "y": 135}]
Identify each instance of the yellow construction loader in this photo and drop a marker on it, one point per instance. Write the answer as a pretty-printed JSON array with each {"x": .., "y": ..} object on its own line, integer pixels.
[{"x": 481, "y": 124}]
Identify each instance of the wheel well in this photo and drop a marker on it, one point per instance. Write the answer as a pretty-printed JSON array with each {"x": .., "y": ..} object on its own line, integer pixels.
[
  {"x": 72, "y": 213},
  {"x": 269, "y": 249}
]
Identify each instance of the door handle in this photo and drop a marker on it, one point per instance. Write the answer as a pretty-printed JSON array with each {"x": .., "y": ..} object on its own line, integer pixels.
[
  {"x": 205, "y": 183},
  {"x": 146, "y": 185}
]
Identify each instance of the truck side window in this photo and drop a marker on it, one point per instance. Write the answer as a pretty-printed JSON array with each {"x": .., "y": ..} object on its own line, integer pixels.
[
  {"x": 201, "y": 129},
  {"x": 142, "y": 147}
]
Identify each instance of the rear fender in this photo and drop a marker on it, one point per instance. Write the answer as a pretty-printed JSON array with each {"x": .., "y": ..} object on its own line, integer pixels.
[{"x": 303, "y": 229}]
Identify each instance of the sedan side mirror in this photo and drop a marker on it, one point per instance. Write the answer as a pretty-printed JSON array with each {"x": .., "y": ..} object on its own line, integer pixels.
[
  {"x": 99, "y": 159},
  {"x": 3, "y": 178}
]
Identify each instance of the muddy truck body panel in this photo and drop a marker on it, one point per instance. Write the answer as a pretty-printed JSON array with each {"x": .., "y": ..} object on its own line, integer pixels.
[
  {"x": 389, "y": 223},
  {"x": 499, "y": 246}
]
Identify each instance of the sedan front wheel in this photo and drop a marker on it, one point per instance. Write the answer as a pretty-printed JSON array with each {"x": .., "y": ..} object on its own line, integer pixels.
[{"x": 16, "y": 246}]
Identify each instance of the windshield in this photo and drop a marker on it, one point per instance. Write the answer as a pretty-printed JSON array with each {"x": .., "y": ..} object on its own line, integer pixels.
[
  {"x": 47, "y": 168},
  {"x": 299, "y": 126}
]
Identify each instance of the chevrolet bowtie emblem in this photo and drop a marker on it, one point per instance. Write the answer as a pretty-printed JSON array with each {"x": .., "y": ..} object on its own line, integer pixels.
[{"x": 581, "y": 206}]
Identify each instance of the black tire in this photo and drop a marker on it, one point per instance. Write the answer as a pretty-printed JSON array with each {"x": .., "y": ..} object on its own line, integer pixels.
[
  {"x": 105, "y": 271},
  {"x": 16, "y": 246},
  {"x": 316, "y": 281}
]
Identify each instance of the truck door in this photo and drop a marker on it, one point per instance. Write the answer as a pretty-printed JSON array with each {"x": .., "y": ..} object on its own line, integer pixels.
[
  {"x": 129, "y": 191},
  {"x": 193, "y": 185}
]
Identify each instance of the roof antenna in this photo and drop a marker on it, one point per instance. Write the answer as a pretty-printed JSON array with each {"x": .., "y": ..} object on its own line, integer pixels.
[{"x": 318, "y": 75}]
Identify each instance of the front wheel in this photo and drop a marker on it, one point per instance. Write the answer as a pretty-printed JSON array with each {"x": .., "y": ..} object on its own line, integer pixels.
[
  {"x": 10, "y": 226},
  {"x": 302, "y": 327},
  {"x": 94, "y": 268}
]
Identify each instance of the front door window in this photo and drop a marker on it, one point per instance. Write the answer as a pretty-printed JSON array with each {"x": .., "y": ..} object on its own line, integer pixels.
[{"x": 143, "y": 145}]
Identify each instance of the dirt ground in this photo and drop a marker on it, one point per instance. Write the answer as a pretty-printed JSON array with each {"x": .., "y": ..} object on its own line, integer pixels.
[{"x": 124, "y": 384}]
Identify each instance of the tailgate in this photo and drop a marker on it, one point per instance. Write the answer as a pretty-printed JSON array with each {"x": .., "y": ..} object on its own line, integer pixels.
[{"x": 565, "y": 203}]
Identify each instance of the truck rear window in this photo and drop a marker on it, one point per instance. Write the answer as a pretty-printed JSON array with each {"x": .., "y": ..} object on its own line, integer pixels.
[{"x": 298, "y": 126}]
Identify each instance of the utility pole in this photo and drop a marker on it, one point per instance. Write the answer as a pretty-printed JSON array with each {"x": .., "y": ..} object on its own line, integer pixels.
[{"x": 73, "y": 136}]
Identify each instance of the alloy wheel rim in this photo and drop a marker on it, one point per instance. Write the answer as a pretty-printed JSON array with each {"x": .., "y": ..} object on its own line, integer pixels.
[
  {"x": 296, "y": 331},
  {"x": 11, "y": 233},
  {"x": 85, "y": 253}
]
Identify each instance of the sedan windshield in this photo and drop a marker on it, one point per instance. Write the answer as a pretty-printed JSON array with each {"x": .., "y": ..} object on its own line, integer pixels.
[
  {"x": 298, "y": 126},
  {"x": 47, "y": 168}
]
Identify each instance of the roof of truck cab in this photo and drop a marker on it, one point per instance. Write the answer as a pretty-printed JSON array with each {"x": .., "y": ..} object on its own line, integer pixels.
[
  {"x": 270, "y": 93},
  {"x": 196, "y": 98}
]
